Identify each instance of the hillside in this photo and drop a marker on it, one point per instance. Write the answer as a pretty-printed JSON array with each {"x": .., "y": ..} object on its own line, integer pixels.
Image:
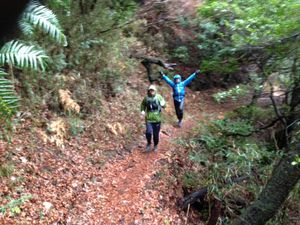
[
  {"x": 72, "y": 137},
  {"x": 102, "y": 176}
]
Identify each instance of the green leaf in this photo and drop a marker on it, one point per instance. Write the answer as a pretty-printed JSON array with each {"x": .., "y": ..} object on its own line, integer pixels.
[
  {"x": 23, "y": 56},
  {"x": 40, "y": 17},
  {"x": 15, "y": 210},
  {"x": 9, "y": 101}
]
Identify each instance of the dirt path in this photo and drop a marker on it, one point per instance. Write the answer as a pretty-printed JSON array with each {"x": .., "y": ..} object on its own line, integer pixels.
[
  {"x": 132, "y": 188},
  {"x": 79, "y": 185}
]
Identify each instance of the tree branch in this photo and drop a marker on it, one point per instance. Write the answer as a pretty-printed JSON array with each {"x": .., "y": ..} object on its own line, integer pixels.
[
  {"x": 147, "y": 63},
  {"x": 268, "y": 45},
  {"x": 279, "y": 115},
  {"x": 151, "y": 60},
  {"x": 116, "y": 26}
]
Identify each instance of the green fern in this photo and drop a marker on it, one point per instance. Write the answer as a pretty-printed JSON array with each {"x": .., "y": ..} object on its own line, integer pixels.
[
  {"x": 26, "y": 27},
  {"x": 26, "y": 56},
  {"x": 8, "y": 99},
  {"x": 23, "y": 56},
  {"x": 40, "y": 17}
]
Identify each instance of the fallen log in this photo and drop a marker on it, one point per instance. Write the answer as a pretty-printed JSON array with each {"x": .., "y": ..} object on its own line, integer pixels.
[
  {"x": 201, "y": 193},
  {"x": 192, "y": 198}
]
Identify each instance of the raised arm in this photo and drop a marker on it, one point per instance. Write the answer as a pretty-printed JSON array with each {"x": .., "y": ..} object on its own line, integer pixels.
[
  {"x": 190, "y": 78},
  {"x": 167, "y": 79}
]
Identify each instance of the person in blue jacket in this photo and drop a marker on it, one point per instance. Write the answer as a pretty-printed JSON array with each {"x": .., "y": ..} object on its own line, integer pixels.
[{"x": 178, "y": 87}]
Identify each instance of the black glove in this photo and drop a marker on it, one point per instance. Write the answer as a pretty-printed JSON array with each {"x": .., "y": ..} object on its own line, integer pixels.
[
  {"x": 161, "y": 74},
  {"x": 197, "y": 72}
]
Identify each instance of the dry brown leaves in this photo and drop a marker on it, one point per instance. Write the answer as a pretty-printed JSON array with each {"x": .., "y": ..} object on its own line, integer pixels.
[
  {"x": 58, "y": 131},
  {"x": 67, "y": 102},
  {"x": 116, "y": 128},
  {"x": 94, "y": 180}
]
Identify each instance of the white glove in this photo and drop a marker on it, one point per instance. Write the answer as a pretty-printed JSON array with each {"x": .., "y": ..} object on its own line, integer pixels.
[{"x": 142, "y": 113}]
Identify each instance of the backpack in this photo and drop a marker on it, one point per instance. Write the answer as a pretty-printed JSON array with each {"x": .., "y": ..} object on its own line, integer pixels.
[{"x": 153, "y": 104}]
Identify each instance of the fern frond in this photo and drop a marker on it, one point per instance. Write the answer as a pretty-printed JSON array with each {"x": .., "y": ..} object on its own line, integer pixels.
[
  {"x": 9, "y": 101},
  {"x": 43, "y": 18},
  {"x": 26, "y": 27},
  {"x": 23, "y": 56}
]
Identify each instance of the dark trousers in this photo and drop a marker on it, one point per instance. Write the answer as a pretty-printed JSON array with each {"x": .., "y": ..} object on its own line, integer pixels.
[
  {"x": 179, "y": 109},
  {"x": 152, "y": 129}
]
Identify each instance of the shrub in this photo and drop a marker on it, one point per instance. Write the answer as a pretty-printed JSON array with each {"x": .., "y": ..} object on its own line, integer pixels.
[
  {"x": 233, "y": 93},
  {"x": 181, "y": 53},
  {"x": 14, "y": 205},
  {"x": 6, "y": 170}
]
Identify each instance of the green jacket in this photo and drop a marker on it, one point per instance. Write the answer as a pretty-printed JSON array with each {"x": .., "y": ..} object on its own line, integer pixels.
[{"x": 152, "y": 106}]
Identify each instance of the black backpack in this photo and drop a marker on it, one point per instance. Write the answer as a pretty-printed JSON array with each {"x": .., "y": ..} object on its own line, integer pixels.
[{"x": 153, "y": 104}]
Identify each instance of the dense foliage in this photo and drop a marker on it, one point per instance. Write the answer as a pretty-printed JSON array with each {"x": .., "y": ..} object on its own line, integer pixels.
[
  {"x": 252, "y": 43},
  {"x": 96, "y": 45},
  {"x": 263, "y": 38},
  {"x": 97, "y": 53},
  {"x": 8, "y": 98},
  {"x": 24, "y": 55}
]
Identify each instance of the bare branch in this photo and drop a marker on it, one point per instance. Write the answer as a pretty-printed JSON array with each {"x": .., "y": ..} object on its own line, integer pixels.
[
  {"x": 116, "y": 26},
  {"x": 279, "y": 115},
  {"x": 147, "y": 63}
]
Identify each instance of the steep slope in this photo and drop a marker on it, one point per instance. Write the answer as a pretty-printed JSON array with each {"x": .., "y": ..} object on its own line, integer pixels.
[{"x": 100, "y": 177}]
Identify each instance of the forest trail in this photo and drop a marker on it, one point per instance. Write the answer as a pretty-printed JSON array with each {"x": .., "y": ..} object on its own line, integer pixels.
[
  {"x": 139, "y": 188},
  {"x": 130, "y": 193},
  {"x": 74, "y": 152},
  {"x": 95, "y": 181}
]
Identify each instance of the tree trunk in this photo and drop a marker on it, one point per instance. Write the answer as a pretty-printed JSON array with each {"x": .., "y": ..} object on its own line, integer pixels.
[
  {"x": 295, "y": 101},
  {"x": 285, "y": 177},
  {"x": 215, "y": 212},
  {"x": 294, "y": 113}
]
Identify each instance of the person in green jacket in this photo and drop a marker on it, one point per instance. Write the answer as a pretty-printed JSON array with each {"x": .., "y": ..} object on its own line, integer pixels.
[{"x": 151, "y": 108}]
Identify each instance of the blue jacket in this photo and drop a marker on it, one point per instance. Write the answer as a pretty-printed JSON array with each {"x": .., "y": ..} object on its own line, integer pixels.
[{"x": 179, "y": 88}]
